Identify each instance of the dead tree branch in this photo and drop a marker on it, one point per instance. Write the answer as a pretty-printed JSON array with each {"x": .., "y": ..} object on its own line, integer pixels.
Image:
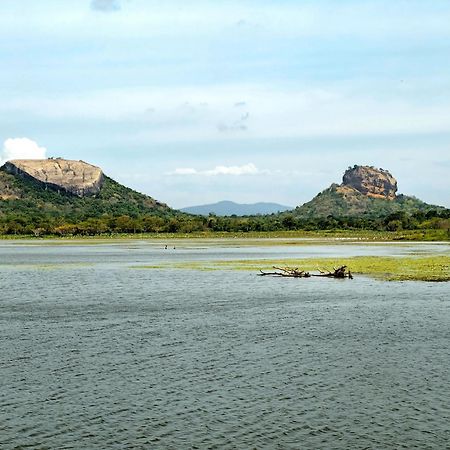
[
  {"x": 291, "y": 272},
  {"x": 287, "y": 272}
]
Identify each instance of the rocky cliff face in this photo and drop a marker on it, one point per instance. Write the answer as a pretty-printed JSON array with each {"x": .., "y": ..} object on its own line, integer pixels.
[
  {"x": 75, "y": 177},
  {"x": 365, "y": 190},
  {"x": 372, "y": 182}
]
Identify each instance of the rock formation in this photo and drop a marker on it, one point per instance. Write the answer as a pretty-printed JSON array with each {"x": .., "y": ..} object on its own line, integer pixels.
[
  {"x": 372, "y": 182},
  {"x": 365, "y": 191},
  {"x": 75, "y": 177}
]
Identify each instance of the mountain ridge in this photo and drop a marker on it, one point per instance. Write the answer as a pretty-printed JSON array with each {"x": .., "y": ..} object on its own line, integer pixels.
[{"x": 229, "y": 208}]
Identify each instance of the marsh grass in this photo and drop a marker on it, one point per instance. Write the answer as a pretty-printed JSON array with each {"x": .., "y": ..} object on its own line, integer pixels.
[{"x": 429, "y": 268}]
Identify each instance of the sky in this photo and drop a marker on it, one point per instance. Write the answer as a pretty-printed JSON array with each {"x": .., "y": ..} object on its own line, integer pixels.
[{"x": 252, "y": 100}]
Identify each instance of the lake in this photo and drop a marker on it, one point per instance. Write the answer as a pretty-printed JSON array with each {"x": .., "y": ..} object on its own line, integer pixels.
[{"x": 99, "y": 351}]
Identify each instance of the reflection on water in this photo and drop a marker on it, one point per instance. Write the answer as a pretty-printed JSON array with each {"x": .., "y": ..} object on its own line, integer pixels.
[{"x": 98, "y": 355}]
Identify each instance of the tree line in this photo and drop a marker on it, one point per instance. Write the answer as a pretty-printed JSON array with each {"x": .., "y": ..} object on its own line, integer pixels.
[{"x": 46, "y": 224}]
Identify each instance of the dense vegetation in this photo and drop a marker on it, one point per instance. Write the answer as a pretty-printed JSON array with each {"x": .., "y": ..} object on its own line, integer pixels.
[
  {"x": 347, "y": 202},
  {"x": 31, "y": 210}
]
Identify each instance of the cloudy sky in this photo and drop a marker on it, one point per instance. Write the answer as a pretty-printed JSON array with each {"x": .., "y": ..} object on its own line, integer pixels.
[{"x": 252, "y": 100}]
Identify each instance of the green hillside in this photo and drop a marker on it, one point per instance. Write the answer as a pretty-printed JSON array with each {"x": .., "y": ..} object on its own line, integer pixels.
[
  {"x": 341, "y": 201},
  {"x": 25, "y": 205}
]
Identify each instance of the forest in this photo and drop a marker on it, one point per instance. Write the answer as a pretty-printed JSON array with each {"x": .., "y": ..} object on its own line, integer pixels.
[{"x": 45, "y": 224}]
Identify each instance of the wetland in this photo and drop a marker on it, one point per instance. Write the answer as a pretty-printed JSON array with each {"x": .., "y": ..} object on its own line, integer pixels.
[{"x": 126, "y": 344}]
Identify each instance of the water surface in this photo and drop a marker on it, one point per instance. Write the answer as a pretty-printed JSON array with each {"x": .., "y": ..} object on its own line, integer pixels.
[{"x": 97, "y": 354}]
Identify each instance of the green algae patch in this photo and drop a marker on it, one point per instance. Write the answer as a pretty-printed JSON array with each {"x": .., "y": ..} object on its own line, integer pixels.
[{"x": 430, "y": 268}]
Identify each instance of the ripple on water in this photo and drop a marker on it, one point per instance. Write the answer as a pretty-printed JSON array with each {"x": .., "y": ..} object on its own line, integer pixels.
[{"x": 115, "y": 358}]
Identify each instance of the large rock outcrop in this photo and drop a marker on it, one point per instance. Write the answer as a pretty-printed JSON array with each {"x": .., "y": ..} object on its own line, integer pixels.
[
  {"x": 364, "y": 192},
  {"x": 75, "y": 177},
  {"x": 372, "y": 182}
]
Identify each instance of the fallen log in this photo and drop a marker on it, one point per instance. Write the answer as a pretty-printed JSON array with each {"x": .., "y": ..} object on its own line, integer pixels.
[
  {"x": 340, "y": 272},
  {"x": 286, "y": 272},
  {"x": 290, "y": 272}
]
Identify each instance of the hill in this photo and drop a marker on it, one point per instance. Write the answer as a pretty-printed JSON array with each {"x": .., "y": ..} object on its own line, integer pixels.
[
  {"x": 228, "y": 208},
  {"x": 365, "y": 191},
  {"x": 34, "y": 196},
  {"x": 71, "y": 198}
]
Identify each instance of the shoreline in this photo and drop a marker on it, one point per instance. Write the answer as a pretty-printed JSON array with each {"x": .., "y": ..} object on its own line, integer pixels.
[{"x": 335, "y": 235}]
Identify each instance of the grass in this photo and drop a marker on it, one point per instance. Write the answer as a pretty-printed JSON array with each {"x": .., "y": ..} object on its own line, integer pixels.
[
  {"x": 429, "y": 268},
  {"x": 359, "y": 235}
]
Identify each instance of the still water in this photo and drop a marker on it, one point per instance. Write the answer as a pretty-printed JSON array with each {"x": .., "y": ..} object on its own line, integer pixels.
[{"x": 97, "y": 353}]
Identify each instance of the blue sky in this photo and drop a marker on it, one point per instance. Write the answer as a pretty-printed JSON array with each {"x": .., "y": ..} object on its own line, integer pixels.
[{"x": 195, "y": 102}]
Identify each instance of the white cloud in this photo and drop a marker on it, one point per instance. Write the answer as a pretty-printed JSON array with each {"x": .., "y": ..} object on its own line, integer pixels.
[
  {"x": 21, "y": 148},
  {"x": 246, "y": 169}
]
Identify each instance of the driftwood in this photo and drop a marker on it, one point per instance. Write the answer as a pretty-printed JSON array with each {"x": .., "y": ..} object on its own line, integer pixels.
[
  {"x": 287, "y": 272},
  {"x": 340, "y": 272}
]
